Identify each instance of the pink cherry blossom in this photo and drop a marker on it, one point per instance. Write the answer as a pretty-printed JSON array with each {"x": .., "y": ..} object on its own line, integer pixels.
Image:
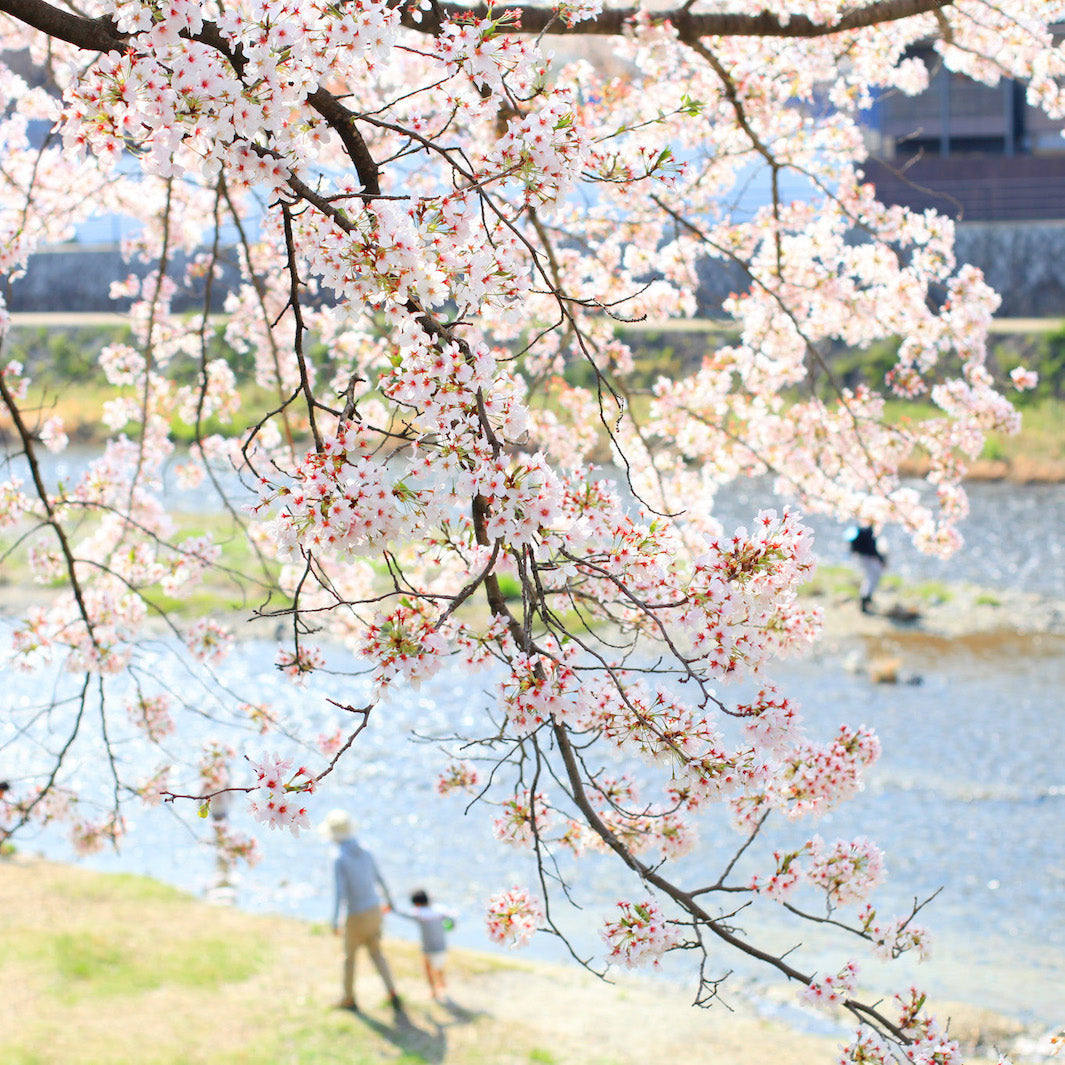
[
  {"x": 640, "y": 935},
  {"x": 512, "y": 916},
  {"x": 277, "y": 798},
  {"x": 429, "y": 235},
  {"x": 1023, "y": 379},
  {"x": 458, "y": 776},
  {"x": 830, "y": 989}
]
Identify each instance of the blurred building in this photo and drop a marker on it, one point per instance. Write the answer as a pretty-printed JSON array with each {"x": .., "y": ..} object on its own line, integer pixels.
[{"x": 982, "y": 155}]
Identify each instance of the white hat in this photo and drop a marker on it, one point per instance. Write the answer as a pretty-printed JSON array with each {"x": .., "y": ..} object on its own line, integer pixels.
[{"x": 337, "y": 825}]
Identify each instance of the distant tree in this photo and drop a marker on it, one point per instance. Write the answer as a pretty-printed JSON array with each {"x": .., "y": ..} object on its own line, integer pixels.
[{"x": 456, "y": 218}]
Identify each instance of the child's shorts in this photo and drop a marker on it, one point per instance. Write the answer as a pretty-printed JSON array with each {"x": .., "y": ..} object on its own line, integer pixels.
[{"x": 436, "y": 958}]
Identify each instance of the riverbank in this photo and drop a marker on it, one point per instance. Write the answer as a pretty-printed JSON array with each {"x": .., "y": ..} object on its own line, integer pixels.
[
  {"x": 60, "y": 349},
  {"x": 906, "y": 612},
  {"x": 944, "y": 612},
  {"x": 125, "y": 969}
]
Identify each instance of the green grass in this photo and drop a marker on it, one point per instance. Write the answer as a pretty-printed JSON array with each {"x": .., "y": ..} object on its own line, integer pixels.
[
  {"x": 122, "y": 970},
  {"x": 103, "y": 965},
  {"x": 1042, "y": 434},
  {"x": 929, "y": 591},
  {"x": 830, "y": 582},
  {"x": 842, "y": 581},
  {"x": 112, "y": 962}
]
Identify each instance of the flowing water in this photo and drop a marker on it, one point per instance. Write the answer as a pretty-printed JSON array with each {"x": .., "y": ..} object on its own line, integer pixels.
[
  {"x": 1014, "y": 534},
  {"x": 969, "y": 795}
]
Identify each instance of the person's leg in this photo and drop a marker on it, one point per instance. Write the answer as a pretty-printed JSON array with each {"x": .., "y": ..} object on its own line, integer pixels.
[
  {"x": 351, "y": 945},
  {"x": 429, "y": 974},
  {"x": 360, "y": 930},
  {"x": 872, "y": 569},
  {"x": 372, "y": 926},
  {"x": 434, "y": 971}
]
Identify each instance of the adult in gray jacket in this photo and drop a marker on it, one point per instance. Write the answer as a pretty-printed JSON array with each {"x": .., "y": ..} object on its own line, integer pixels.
[{"x": 356, "y": 882}]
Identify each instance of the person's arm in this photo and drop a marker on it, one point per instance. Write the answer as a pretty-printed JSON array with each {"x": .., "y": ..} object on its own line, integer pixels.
[{"x": 382, "y": 885}]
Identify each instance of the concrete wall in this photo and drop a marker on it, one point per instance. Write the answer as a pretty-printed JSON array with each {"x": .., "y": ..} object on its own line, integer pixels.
[
  {"x": 78, "y": 277},
  {"x": 1023, "y": 261}
]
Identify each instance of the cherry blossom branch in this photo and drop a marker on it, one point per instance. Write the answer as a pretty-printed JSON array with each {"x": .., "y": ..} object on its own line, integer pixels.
[
  {"x": 365, "y": 712},
  {"x": 149, "y": 338},
  {"x": 58, "y": 762},
  {"x": 687, "y": 901},
  {"x": 51, "y": 518},
  {"x": 733, "y": 97},
  {"x": 259, "y": 288},
  {"x": 299, "y": 329},
  {"x": 814, "y": 918},
  {"x": 719, "y": 884},
  {"x": 92, "y": 34}
]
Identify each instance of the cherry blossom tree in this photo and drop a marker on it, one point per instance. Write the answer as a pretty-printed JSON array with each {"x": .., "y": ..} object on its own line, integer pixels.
[{"x": 443, "y": 216}]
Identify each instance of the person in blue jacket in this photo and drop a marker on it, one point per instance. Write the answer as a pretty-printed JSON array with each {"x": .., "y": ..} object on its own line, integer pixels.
[{"x": 357, "y": 880}]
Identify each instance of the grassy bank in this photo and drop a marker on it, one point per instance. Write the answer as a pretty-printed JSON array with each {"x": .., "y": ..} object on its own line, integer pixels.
[
  {"x": 60, "y": 353},
  {"x": 116, "y": 969},
  {"x": 121, "y": 969}
]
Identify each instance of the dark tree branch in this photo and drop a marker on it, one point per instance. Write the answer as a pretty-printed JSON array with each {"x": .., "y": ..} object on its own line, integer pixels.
[
  {"x": 534, "y": 19},
  {"x": 92, "y": 34},
  {"x": 100, "y": 35}
]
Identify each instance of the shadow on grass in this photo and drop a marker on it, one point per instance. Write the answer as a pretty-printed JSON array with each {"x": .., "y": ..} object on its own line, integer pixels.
[{"x": 423, "y": 1038}]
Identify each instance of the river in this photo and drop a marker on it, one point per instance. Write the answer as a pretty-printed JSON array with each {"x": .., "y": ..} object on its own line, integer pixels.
[
  {"x": 969, "y": 795},
  {"x": 1014, "y": 534}
]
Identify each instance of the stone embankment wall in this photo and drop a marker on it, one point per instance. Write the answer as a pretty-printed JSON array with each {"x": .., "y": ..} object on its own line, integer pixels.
[
  {"x": 75, "y": 278},
  {"x": 1024, "y": 262}
]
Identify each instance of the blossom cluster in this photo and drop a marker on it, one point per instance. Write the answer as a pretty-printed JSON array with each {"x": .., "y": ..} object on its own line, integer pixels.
[
  {"x": 893, "y": 937},
  {"x": 831, "y": 989},
  {"x": 152, "y": 713},
  {"x": 928, "y": 1043},
  {"x": 522, "y": 819},
  {"x": 298, "y": 663},
  {"x": 277, "y": 798},
  {"x": 342, "y": 500},
  {"x": 641, "y": 934},
  {"x": 847, "y": 871},
  {"x": 512, "y": 916},
  {"x": 457, "y": 776}
]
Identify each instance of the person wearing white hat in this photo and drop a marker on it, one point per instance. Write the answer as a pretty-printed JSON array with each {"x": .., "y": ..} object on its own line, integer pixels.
[{"x": 357, "y": 879}]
